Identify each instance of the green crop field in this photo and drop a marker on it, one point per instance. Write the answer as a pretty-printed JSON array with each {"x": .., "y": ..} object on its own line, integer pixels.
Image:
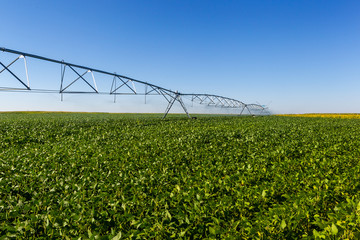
[{"x": 126, "y": 176}]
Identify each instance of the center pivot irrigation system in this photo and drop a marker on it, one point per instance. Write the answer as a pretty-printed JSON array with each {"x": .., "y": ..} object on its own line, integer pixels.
[{"x": 119, "y": 82}]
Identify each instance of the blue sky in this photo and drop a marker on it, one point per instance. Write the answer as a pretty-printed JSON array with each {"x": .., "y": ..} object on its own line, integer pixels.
[{"x": 299, "y": 56}]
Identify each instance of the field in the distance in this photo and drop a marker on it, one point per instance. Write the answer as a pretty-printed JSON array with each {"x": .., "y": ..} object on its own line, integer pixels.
[
  {"x": 72, "y": 175},
  {"x": 326, "y": 115}
]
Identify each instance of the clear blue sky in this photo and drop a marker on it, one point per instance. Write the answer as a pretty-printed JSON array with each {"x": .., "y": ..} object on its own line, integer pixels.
[{"x": 299, "y": 56}]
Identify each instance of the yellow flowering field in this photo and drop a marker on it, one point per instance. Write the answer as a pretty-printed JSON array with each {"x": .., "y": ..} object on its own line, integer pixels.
[{"x": 325, "y": 115}]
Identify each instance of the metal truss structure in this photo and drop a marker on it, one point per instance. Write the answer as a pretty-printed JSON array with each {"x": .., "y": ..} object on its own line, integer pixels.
[{"x": 122, "y": 85}]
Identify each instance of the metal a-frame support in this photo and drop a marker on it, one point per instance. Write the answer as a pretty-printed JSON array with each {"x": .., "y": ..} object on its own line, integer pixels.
[
  {"x": 27, "y": 86},
  {"x": 262, "y": 110},
  {"x": 245, "y": 106},
  {"x": 177, "y": 97}
]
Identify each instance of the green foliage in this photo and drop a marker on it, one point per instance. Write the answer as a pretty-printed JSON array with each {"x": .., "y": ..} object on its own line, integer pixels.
[{"x": 118, "y": 176}]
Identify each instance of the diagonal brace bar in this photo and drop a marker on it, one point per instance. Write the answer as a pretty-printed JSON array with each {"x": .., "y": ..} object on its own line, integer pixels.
[
  {"x": 79, "y": 76},
  {"x": 27, "y": 87},
  {"x": 73, "y": 81},
  {"x": 10, "y": 63}
]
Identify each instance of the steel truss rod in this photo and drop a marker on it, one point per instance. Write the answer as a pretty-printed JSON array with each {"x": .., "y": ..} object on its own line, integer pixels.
[
  {"x": 164, "y": 94},
  {"x": 169, "y": 95},
  {"x": 10, "y": 64},
  {"x": 211, "y": 101},
  {"x": 221, "y": 101},
  {"x": 14, "y": 75}
]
